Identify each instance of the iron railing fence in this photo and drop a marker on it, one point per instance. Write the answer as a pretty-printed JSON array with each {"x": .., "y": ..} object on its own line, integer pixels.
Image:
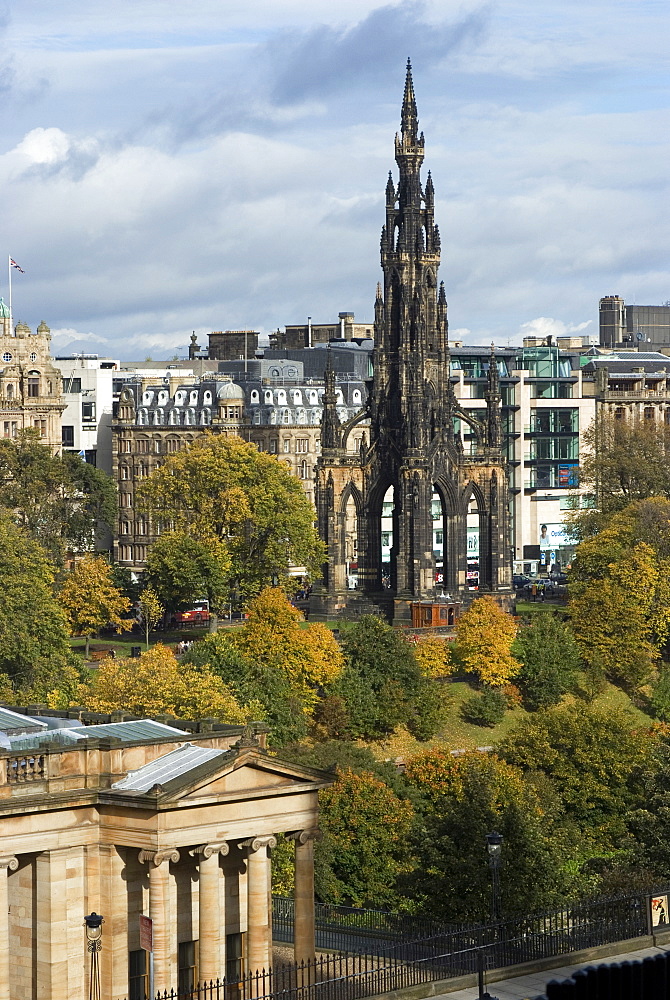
[
  {"x": 347, "y": 928},
  {"x": 411, "y": 960}
]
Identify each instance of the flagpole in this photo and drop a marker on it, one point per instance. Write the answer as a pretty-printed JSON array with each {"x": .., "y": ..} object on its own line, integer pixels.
[{"x": 9, "y": 275}]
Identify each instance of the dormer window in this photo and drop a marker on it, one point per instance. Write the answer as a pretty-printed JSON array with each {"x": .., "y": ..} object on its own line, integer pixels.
[
  {"x": 281, "y": 395},
  {"x": 254, "y": 396},
  {"x": 193, "y": 397},
  {"x": 207, "y": 397},
  {"x": 268, "y": 397},
  {"x": 179, "y": 397}
]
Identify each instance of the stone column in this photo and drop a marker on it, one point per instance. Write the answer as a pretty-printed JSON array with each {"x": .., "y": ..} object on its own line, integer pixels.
[
  {"x": 7, "y": 864},
  {"x": 259, "y": 922},
  {"x": 303, "y": 913},
  {"x": 159, "y": 911},
  {"x": 209, "y": 911}
]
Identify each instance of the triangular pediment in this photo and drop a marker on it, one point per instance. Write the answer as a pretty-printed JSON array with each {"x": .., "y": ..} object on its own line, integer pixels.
[{"x": 245, "y": 773}]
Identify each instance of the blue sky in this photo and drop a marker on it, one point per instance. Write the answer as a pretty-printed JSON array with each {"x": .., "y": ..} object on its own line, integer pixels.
[{"x": 169, "y": 167}]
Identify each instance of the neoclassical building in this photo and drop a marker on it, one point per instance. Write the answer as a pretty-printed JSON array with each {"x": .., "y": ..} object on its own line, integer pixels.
[
  {"x": 30, "y": 383},
  {"x": 141, "y": 819},
  {"x": 414, "y": 454}
]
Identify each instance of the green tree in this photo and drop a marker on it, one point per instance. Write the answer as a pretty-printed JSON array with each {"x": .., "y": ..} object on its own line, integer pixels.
[
  {"x": 59, "y": 499},
  {"x": 485, "y": 709},
  {"x": 264, "y": 692},
  {"x": 549, "y": 659},
  {"x": 382, "y": 684},
  {"x": 155, "y": 683},
  {"x": 465, "y": 799},
  {"x": 594, "y": 758},
  {"x": 484, "y": 637},
  {"x": 90, "y": 600},
  {"x": 151, "y": 611},
  {"x": 34, "y": 646},
  {"x": 223, "y": 488},
  {"x": 366, "y": 841},
  {"x": 182, "y": 569}
]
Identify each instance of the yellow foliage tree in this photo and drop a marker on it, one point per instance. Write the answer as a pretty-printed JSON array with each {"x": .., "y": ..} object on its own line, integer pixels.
[
  {"x": 484, "y": 637},
  {"x": 90, "y": 600},
  {"x": 155, "y": 683},
  {"x": 433, "y": 654},
  {"x": 310, "y": 658}
]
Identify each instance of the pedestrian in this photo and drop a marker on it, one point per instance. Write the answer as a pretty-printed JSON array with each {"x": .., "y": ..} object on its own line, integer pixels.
[{"x": 533, "y": 591}]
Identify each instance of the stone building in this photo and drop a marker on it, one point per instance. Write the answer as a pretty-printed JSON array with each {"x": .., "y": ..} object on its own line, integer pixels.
[
  {"x": 30, "y": 384},
  {"x": 271, "y": 405},
  {"x": 155, "y": 417},
  {"x": 139, "y": 818},
  {"x": 413, "y": 454}
]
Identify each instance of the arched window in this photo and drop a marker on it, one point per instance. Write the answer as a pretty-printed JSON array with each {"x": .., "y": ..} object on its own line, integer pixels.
[
  {"x": 313, "y": 397},
  {"x": 286, "y": 416},
  {"x": 254, "y": 396},
  {"x": 173, "y": 417},
  {"x": 268, "y": 397},
  {"x": 142, "y": 417},
  {"x": 189, "y": 415},
  {"x": 281, "y": 395},
  {"x": 179, "y": 397},
  {"x": 206, "y": 416},
  {"x": 357, "y": 396},
  {"x": 301, "y": 416},
  {"x": 163, "y": 397},
  {"x": 147, "y": 397},
  {"x": 10, "y": 391},
  {"x": 207, "y": 397},
  {"x": 297, "y": 397},
  {"x": 193, "y": 398}
]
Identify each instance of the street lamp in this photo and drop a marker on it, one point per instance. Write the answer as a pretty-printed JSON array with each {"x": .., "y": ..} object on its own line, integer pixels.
[
  {"x": 93, "y": 924},
  {"x": 494, "y": 842}
]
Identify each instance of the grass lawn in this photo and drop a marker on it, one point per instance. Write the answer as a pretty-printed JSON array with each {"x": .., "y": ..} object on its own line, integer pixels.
[
  {"x": 123, "y": 642},
  {"x": 460, "y": 735}
]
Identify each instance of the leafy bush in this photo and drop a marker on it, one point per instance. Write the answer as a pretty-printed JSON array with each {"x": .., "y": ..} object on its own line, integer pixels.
[
  {"x": 660, "y": 697},
  {"x": 485, "y": 709}
]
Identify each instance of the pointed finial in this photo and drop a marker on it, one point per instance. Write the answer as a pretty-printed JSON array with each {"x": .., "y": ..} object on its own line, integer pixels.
[
  {"x": 409, "y": 120},
  {"x": 379, "y": 290}
]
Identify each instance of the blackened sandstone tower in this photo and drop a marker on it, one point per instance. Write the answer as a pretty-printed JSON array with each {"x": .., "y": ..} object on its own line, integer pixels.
[{"x": 413, "y": 448}]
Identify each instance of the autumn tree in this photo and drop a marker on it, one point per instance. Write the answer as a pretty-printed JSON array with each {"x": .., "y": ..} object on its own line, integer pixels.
[
  {"x": 273, "y": 662},
  {"x": 625, "y": 461},
  {"x": 60, "y": 500},
  {"x": 382, "y": 685},
  {"x": 150, "y": 610},
  {"x": 433, "y": 654},
  {"x": 550, "y": 659},
  {"x": 90, "y": 600},
  {"x": 156, "y": 683},
  {"x": 484, "y": 637},
  {"x": 620, "y": 591},
  {"x": 35, "y": 650},
  {"x": 222, "y": 488}
]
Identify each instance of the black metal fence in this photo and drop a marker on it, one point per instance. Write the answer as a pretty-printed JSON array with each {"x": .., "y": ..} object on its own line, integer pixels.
[{"x": 444, "y": 953}]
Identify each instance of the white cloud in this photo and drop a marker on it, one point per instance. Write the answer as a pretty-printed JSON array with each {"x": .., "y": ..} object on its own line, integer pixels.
[
  {"x": 544, "y": 326},
  {"x": 224, "y": 166}
]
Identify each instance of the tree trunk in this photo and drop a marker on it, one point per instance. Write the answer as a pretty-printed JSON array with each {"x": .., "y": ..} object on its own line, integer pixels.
[{"x": 88, "y": 643}]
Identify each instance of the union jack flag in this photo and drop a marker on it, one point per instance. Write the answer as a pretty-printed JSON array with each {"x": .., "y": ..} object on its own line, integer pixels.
[{"x": 14, "y": 264}]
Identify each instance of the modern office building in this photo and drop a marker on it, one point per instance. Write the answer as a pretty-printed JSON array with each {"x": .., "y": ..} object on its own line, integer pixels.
[
  {"x": 88, "y": 393},
  {"x": 625, "y": 326}
]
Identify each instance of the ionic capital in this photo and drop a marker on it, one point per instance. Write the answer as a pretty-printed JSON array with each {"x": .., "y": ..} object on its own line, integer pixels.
[
  {"x": 255, "y": 843},
  {"x": 302, "y": 836},
  {"x": 9, "y": 862},
  {"x": 156, "y": 858},
  {"x": 206, "y": 850}
]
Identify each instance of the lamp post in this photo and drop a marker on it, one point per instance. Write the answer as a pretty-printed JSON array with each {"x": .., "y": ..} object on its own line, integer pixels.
[
  {"x": 494, "y": 842},
  {"x": 93, "y": 924}
]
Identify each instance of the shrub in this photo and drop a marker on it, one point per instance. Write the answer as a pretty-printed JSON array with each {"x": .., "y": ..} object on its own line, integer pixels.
[{"x": 485, "y": 709}]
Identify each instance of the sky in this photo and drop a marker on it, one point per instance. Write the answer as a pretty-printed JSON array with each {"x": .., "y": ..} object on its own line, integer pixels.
[{"x": 218, "y": 164}]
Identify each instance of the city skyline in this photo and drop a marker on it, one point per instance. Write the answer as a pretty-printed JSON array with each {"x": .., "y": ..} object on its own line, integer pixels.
[{"x": 219, "y": 168}]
